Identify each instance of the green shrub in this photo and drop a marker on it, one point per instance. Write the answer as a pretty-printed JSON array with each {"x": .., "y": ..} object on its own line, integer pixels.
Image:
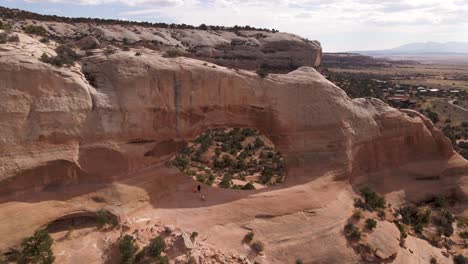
[
  {"x": 372, "y": 200},
  {"x": 258, "y": 143},
  {"x": 109, "y": 51},
  {"x": 162, "y": 260},
  {"x": 35, "y": 30},
  {"x": 226, "y": 181},
  {"x": 381, "y": 214},
  {"x": 173, "y": 53},
  {"x": 247, "y": 132},
  {"x": 65, "y": 56},
  {"x": 257, "y": 247},
  {"x": 249, "y": 237},
  {"x": 402, "y": 229},
  {"x": 418, "y": 218},
  {"x": 127, "y": 249},
  {"x": 460, "y": 259},
  {"x": 104, "y": 217},
  {"x": 3, "y": 38},
  {"x": 440, "y": 201},
  {"x": 193, "y": 236},
  {"x": 37, "y": 249},
  {"x": 211, "y": 179},
  {"x": 464, "y": 234},
  {"x": 262, "y": 73},
  {"x": 433, "y": 260},
  {"x": 181, "y": 162},
  {"x": 352, "y": 232},
  {"x": 13, "y": 38},
  {"x": 357, "y": 214},
  {"x": 371, "y": 224},
  {"x": 248, "y": 186},
  {"x": 156, "y": 247},
  {"x": 6, "y": 26},
  {"x": 444, "y": 222},
  {"x": 266, "y": 175},
  {"x": 191, "y": 260}
]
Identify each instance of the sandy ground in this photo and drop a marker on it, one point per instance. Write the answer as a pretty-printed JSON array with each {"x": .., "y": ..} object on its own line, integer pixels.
[{"x": 306, "y": 226}]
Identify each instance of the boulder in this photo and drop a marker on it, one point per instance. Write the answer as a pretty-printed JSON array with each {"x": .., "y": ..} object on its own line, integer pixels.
[{"x": 88, "y": 42}]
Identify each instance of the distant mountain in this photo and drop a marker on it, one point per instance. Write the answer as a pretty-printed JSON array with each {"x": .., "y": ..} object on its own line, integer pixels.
[{"x": 421, "y": 48}]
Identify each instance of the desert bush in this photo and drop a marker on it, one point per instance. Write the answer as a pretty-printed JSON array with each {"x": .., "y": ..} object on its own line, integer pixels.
[
  {"x": 433, "y": 116},
  {"x": 6, "y": 26},
  {"x": 104, "y": 217},
  {"x": 3, "y": 38},
  {"x": 35, "y": 30},
  {"x": 266, "y": 175},
  {"x": 464, "y": 234},
  {"x": 440, "y": 201},
  {"x": 460, "y": 259},
  {"x": 162, "y": 260},
  {"x": 127, "y": 249},
  {"x": 37, "y": 249},
  {"x": 173, "y": 53},
  {"x": 109, "y": 51},
  {"x": 249, "y": 237},
  {"x": 248, "y": 186},
  {"x": 156, "y": 246},
  {"x": 262, "y": 73},
  {"x": 418, "y": 218},
  {"x": 433, "y": 260},
  {"x": 193, "y": 236},
  {"x": 211, "y": 179},
  {"x": 402, "y": 229},
  {"x": 357, "y": 214},
  {"x": 65, "y": 56},
  {"x": 226, "y": 181},
  {"x": 299, "y": 261},
  {"x": 371, "y": 224},
  {"x": 352, "y": 232},
  {"x": 181, "y": 162},
  {"x": 257, "y": 246},
  {"x": 137, "y": 53},
  {"x": 191, "y": 260},
  {"x": 372, "y": 200},
  {"x": 444, "y": 222},
  {"x": 201, "y": 178},
  {"x": 258, "y": 143},
  {"x": 13, "y": 38},
  {"x": 381, "y": 214}
]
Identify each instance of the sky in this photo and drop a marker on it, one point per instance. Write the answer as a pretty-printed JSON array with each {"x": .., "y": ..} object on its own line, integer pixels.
[{"x": 340, "y": 25}]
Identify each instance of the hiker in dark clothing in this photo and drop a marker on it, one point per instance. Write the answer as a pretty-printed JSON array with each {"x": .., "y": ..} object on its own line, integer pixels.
[{"x": 199, "y": 187}]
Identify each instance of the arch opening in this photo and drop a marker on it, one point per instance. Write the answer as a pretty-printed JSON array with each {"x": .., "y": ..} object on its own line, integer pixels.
[{"x": 232, "y": 158}]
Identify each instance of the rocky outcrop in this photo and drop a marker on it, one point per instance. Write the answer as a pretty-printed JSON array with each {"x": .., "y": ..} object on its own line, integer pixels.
[
  {"x": 243, "y": 48},
  {"x": 98, "y": 134},
  {"x": 141, "y": 108}
]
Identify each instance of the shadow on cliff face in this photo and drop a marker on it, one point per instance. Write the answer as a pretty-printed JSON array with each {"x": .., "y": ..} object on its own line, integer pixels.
[{"x": 99, "y": 167}]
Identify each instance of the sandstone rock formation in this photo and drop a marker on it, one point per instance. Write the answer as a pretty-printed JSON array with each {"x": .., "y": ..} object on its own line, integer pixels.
[
  {"x": 65, "y": 139},
  {"x": 244, "y": 49}
]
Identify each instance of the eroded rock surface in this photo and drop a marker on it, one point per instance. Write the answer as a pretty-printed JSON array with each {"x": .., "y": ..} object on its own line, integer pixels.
[{"x": 65, "y": 139}]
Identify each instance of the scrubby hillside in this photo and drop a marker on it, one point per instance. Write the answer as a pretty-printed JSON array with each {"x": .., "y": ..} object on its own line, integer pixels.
[{"x": 238, "y": 47}]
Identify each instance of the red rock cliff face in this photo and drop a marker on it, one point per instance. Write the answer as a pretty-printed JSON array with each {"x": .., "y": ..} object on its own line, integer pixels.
[{"x": 57, "y": 129}]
